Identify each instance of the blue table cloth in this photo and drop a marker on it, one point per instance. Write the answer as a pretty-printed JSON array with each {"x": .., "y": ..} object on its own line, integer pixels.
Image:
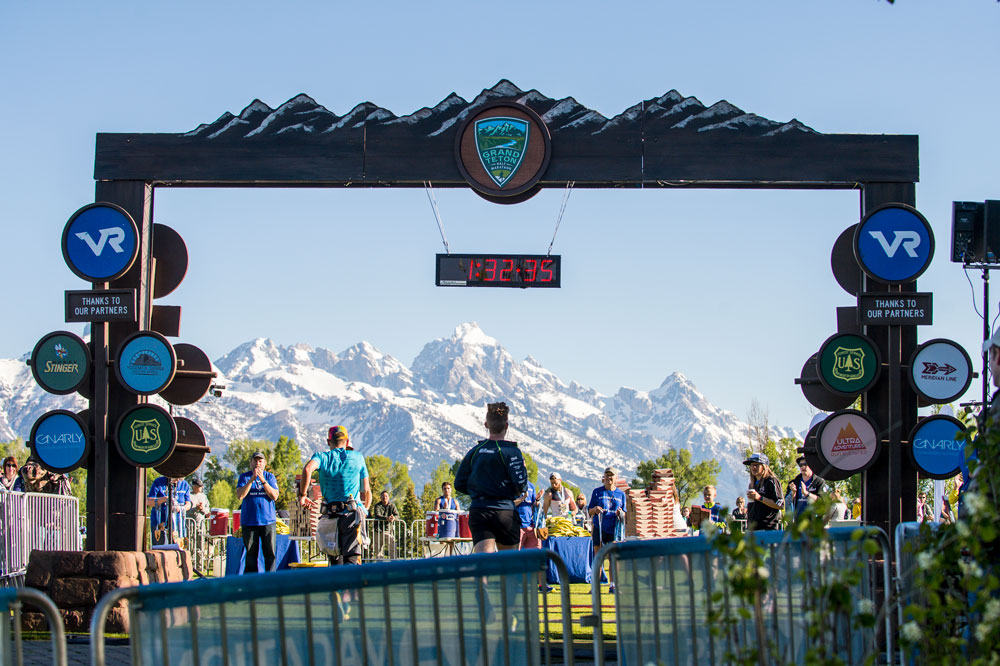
[
  {"x": 286, "y": 551},
  {"x": 577, "y": 553}
]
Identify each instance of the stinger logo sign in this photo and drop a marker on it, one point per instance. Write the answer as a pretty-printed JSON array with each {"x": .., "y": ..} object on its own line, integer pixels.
[{"x": 501, "y": 143}]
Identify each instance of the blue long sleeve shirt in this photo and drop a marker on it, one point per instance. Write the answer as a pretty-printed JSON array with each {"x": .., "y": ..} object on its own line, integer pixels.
[{"x": 493, "y": 474}]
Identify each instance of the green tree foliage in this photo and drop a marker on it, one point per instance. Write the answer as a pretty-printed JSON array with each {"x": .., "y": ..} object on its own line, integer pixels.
[
  {"x": 387, "y": 474},
  {"x": 15, "y": 448},
  {"x": 531, "y": 466},
  {"x": 689, "y": 478},
  {"x": 222, "y": 495},
  {"x": 411, "y": 509},
  {"x": 445, "y": 471},
  {"x": 214, "y": 471}
]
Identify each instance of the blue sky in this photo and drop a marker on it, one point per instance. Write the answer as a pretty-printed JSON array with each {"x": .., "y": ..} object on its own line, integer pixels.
[{"x": 734, "y": 288}]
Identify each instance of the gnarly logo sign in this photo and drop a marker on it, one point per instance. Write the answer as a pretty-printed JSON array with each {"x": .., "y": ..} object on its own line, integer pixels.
[
  {"x": 848, "y": 364},
  {"x": 146, "y": 435},
  {"x": 501, "y": 143}
]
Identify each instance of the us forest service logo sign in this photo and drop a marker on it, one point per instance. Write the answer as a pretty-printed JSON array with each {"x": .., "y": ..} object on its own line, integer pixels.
[
  {"x": 848, "y": 364},
  {"x": 502, "y": 151},
  {"x": 146, "y": 435}
]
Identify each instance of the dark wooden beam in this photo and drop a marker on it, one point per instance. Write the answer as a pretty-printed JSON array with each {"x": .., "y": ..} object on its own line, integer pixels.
[{"x": 382, "y": 156}]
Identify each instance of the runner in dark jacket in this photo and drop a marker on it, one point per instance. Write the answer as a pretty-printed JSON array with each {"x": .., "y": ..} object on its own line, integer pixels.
[{"x": 493, "y": 475}]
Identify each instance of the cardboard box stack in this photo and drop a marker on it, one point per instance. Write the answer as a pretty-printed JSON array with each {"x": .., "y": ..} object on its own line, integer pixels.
[
  {"x": 651, "y": 512},
  {"x": 301, "y": 520}
]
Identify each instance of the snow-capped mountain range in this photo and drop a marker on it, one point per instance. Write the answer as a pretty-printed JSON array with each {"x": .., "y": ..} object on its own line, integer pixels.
[
  {"x": 434, "y": 410},
  {"x": 303, "y": 116}
]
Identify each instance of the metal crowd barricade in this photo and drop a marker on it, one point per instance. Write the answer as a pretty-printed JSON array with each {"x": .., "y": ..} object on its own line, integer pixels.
[
  {"x": 11, "y": 643},
  {"x": 390, "y": 540},
  {"x": 667, "y": 592},
  {"x": 34, "y": 521},
  {"x": 478, "y": 609},
  {"x": 197, "y": 542}
]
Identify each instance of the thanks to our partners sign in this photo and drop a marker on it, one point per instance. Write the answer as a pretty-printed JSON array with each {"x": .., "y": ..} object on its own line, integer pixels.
[
  {"x": 98, "y": 305},
  {"x": 895, "y": 309}
]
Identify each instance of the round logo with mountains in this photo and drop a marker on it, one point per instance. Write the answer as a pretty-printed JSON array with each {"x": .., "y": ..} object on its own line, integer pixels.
[
  {"x": 503, "y": 149},
  {"x": 848, "y": 441},
  {"x": 146, "y": 363}
]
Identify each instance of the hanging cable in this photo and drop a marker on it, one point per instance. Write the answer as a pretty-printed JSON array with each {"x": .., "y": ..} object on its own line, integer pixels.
[
  {"x": 562, "y": 209},
  {"x": 437, "y": 214},
  {"x": 975, "y": 306}
]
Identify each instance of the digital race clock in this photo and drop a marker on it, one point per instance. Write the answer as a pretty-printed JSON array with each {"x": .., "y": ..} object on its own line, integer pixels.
[{"x": 497, "y": 270}]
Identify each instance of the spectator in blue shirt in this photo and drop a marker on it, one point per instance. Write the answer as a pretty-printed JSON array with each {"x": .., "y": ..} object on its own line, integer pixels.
[
  {"x": 344, "y": 482},
  {"x": 258, "y": 489},
  {"x": 165, "y": 491},
  {"x": 607, "y": 510}
]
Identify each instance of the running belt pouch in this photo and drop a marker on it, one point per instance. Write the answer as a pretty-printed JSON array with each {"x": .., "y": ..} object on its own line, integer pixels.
[{"x": 327, "y": 537}]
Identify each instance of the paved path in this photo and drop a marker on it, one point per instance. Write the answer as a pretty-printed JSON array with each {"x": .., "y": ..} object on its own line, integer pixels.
[{"x": 39, "y": 653}]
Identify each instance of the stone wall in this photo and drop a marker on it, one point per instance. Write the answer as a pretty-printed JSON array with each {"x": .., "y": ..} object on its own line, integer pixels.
[{"x": 76, "y": 580}]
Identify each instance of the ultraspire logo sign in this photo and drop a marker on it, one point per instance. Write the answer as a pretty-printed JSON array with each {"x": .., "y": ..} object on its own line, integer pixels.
[{"x": 848, "y": 441}]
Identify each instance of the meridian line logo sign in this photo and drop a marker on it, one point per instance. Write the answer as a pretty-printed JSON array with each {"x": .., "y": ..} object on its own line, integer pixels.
[
  {"x": 940, "y": 371},
  {"x": 501, "y": 143}
]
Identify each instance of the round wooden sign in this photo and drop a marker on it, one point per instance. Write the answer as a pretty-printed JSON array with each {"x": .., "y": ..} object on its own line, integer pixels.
[{"x": 503, "y": 149}]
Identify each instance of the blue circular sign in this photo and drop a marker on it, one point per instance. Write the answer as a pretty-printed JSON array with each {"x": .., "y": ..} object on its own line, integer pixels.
[
  {"x": 59, "y": 441},
  {"x": 894, "y": 244},
  {"x": 145, "y": 363},
  {"x": 100, "y": 242},
  {"x": 936, "y": 447}
]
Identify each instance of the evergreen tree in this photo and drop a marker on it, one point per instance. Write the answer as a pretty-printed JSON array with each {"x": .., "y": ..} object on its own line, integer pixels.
[
  {"x": 385, "y": 473},
  {"x": 222, "y": 495},
  {"x": 411, "y": 510}
]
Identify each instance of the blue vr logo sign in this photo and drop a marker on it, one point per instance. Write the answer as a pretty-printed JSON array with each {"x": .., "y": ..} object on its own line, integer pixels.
[
  {"x": 100, "y": 242},
  {"x": 894, "y": 244}
]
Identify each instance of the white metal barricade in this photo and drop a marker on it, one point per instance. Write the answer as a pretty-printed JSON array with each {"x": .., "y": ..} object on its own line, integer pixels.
[{"x": 34, "y": 521}]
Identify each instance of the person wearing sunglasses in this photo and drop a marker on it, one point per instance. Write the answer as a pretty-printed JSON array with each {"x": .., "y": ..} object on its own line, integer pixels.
[
  {"x": 9, "y": 476},
  {"x": 806, "y": 486}
]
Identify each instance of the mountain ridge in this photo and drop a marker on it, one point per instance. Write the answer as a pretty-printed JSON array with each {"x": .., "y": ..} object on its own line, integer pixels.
[{"x": 433, "y": 409}]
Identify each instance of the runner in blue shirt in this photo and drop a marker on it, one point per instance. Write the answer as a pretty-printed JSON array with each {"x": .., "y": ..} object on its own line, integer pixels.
[
  {"x": 607, "y": 510},
  {"x": 344, "y": 482},
  {"x": 258, "y": 489}
]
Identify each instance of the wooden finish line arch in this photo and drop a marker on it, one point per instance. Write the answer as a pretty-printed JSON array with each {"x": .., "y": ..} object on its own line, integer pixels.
[{"x": 667, "y": 141}]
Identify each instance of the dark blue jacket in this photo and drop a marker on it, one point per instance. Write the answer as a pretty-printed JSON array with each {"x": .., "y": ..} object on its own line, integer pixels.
[{"x": 492, "y": 474}]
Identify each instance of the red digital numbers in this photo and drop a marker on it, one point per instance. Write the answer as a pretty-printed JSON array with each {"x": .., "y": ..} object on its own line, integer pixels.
[
  {"x": 531, "y": 268},
  {"x": 545, "y": 264},
  {"x": 491, "y": 270},
  {"x": 508, "y": 268}
]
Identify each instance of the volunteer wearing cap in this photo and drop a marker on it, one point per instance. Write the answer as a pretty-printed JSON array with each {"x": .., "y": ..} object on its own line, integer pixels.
[
  {"x": 344, "y": 482},
  {"x": 258, "y": 489},
  {"x": 806, "y": 486},
  {"x": 764, "y": 494},
  {"x": 607, "y": 510}
]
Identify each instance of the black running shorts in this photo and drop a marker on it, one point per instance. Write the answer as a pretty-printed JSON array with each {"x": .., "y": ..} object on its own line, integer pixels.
[{"x": 500, "y": 524}]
